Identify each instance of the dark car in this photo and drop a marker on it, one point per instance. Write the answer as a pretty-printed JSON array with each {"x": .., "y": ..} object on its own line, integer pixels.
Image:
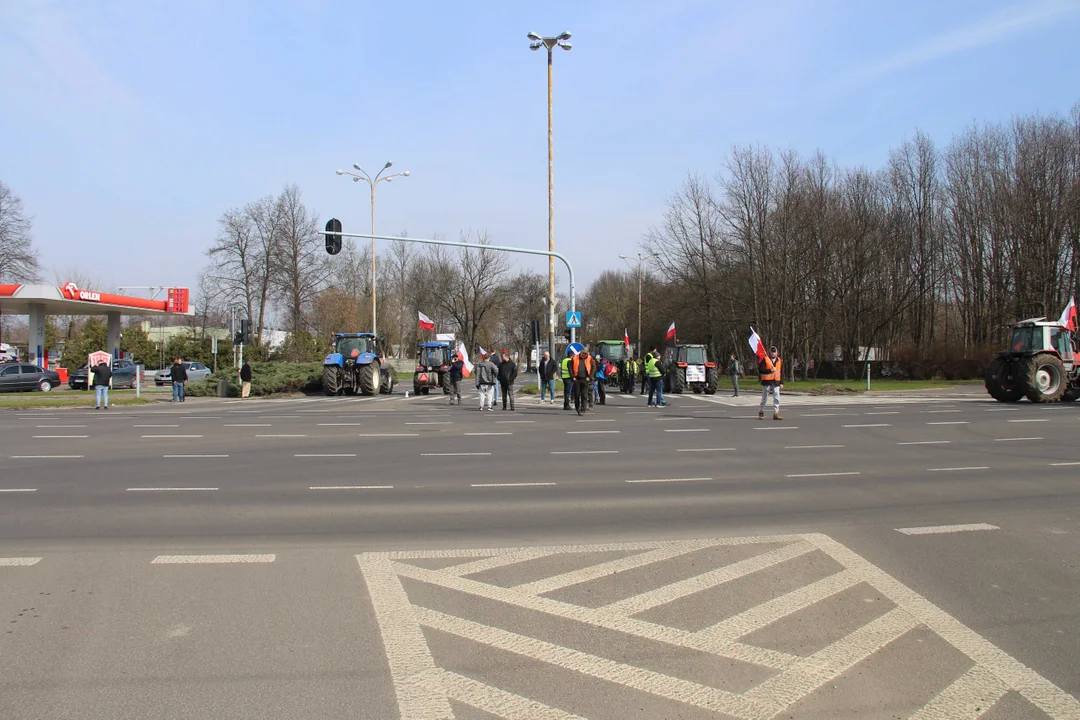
[
  {"x": 124, "y": 372},
  {"x": 17, "y": 376}
]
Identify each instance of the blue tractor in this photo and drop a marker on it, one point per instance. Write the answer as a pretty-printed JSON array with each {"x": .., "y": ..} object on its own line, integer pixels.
[{"x": 356, "y": 367}]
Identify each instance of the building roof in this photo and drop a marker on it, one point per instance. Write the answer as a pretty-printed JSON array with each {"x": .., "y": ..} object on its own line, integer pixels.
[{"x": 68, "y": 299}]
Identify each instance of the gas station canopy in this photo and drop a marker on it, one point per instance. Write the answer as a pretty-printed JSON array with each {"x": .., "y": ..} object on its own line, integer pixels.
[{"x": 68, "y": 299}]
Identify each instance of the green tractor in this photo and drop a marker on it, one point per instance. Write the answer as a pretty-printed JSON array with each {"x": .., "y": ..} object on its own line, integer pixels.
[
  {"x": 688, "y": 366},
  {"x": 614, "y": 351},
  {"x": 432, "y": 368}
]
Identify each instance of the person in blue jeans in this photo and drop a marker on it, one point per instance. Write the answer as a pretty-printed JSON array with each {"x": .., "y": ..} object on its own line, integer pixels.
[
  {"x": 102, "y": 378},
  {"x": 179, "y": 377},
  {"x": 547, "y": 371}
]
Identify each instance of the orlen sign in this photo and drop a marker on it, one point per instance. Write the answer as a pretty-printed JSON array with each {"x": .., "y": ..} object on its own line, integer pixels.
[{"x": 72, "y": 291}]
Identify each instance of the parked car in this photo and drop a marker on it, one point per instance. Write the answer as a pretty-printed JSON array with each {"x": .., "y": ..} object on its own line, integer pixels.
[
  {"x": 124, "y": 372},
  {"x": 195, "y": 371},
  {"x": 15, "y": 376}
]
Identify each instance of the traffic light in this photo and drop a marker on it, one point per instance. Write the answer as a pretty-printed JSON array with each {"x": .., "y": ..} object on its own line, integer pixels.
[
  {"x": 245, "y": 332},
  {"x": 237, "y": 339},
  {"x": 536, "y": 332},
  {"x": 333, "y": 242}
]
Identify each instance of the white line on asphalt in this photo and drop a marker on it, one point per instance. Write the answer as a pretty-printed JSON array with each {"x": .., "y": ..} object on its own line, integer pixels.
[
  {"x": 670, "y": 480},
  {"x": 453, "y": 454},
  {"x": 686, "y": 430},
  {"x": 527, "y": 484},
  {"x": 248, "y": 425},
  {"x": 1064, "y": 464},
  {"x": 705, "y": 449},
  {"x": 308, "y": 455},
  {"x": 867, "y": 425},
  {"x": 279, "y": 417},
  {"x": 829, "y": 414},
  {"x": 592, "y": 432},
  {"x": 602, "y": 420},
  {"x": 950, "y": 422},
  {"x": 926, "y": 442},
  {"x": 782, "y": 427},
  {"x": 1000, "y": 410},
  {"x": 339, "y": 424},
  {"x": 435, "y": 422},
  {"x": 210, "y": 559},
  {"x": 45, "y": 457},
  {"x": 1029, "y": 420},
  {"x": 825, "y": 474},
  {"x": 154, "y": 426},
  {"x": 958, "y": 469},
  {"x": 485, "y": 434},
  {"x": 375, "y": 435},
  {"x": 172, "y": 489},
  {"x": 19, "y": 561},
  {"x": 199, "y": 417},
  {"x": 672, "y": 419},
  {"x": 351, "y": 487},
  {"x": 1016, "y": 439},
  {"x": 513, "y": 422},
  {"x": 888, "y": 412},
  {"x": 54, "y": 427},
  {"x": 171, "y": 436},
  {"x": 937, "y": 412},
  {"x": 57, "y": 437},
  {"x": 279, "y": 436},
  {"x": 2, "y": 490},
  {"x": 584, "y": 452},
  {"x": 940, "y": 529},
  {"x": 811, "y": 447},
  {"x": 194, "y": 456}
]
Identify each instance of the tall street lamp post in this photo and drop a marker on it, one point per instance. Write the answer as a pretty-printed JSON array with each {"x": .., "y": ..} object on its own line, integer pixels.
[
  {"x": 637, "y": 260},
  {"x": 550, "y": 43},
  {"x": 373, "y": 182}
]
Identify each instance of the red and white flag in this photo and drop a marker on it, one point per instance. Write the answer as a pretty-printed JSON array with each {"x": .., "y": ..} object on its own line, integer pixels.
[
  {"x": 483, "y": 352},
  {"x": 467, "y": 366},
  {"x": 670, "y": 332},
  {"x": 1068, "y": 318},
  {"x": 626, "y": 337},
  {"x": 757, "y": 345},
  {"x": 426, "y": 323}
]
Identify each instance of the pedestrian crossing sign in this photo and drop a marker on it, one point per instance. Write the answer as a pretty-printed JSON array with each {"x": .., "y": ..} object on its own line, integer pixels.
[{"x": 573, "y": 319}]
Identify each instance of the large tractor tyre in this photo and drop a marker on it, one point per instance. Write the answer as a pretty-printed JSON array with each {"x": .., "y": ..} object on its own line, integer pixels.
[
  {"x": 678, "y": 382},
  {"x": 387, "y": 382},
  {"x": 367, "y": 379},
  {"x": 711, "y": 381},
  {"x": 331, "y": 380},
  {"x": 444, "y": 380},
  {"x": 1046, "y": 379},
  {"x": 1003, "y": 381}
]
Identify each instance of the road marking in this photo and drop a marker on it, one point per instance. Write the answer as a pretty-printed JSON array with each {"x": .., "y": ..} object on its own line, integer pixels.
[
  {"x": 171, "y": 489},
  {"x": 524, "y": 484},
  {"x": 45, "y": 457},
  {"x": 375, "y": 435},
  {"x": 3, "y": 490},
  {"x": 1016, "y": 439},
  {"x": 936, "y": 412},
  {"x": 154, "y": 426},
  {"x": 1064, "y": 464},
  {"x": 280, "y": 436},
  {"x": 941, "y": 529},
  {"x": 705, "y": 450},
  {"x": 57, "y": 437},
  {"x": 435, "y": 422},
  {"x": 314, "y": 455},
  {"x": 670, "y": 480},
  {"x": 248, "y": 425},
  {"x": 351, "y": 487},
  {"x": 950, "y": 422},
  {"x": 454, "y": 454},
  {"x": 867, "y": 425},
  {"x": 339, "y": 424},
  {"x": 199, "y": 417},
  {"x": 598, "y": 420},
  {"x": 976, "y": 690},
  {"x": 485, "y": 434},
  {"x": 491, "y": 700},
  {"x": 811, "y": 447},
  {"x": 671, "y": 419},
  {"x": 194, "y": 456},
  {"x": 54, "y": 427},
  {"x": 279, "y": 417},
  {"x": 886, "y": 412},
  {"x": 584, "y": 452},
  {"x": 783, "y": 427},
  {"x": 171, "y": 436},
  {"x": 19, "y": 561},
  {"x": 593, "y": 432},
  {"x": 825, "y": 415},
  {"x": 825, "y": 474},
  {"x": 210, "y": 559},
  {"x": 1027, "y": 420},
  {"x": 926, "y": 442},
  {"x": 681, "y": 430},
  {"x": 958, "y": 469},
  {"x": 513, "y": 422}
]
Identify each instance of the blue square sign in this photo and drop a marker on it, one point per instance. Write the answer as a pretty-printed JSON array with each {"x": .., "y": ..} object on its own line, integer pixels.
[{"x": 573, "y": 319}]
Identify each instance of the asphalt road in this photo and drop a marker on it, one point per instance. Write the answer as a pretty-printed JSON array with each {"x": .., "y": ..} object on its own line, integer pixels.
[{"x": 391, "y": 557}]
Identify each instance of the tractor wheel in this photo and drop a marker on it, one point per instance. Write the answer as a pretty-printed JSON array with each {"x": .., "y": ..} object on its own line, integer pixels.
[
  {"x": 367, "y": 379},
  {"x": 1003, "y": 381},
  {"x": 678, "y": 381},
  {"x": 331, "y": 380},
  {"x": 1046, "y": 379},
  {"x": 711, "y": 381},
  {"x": 444, "y": 380},
  {"x": 386, "y": 387}
]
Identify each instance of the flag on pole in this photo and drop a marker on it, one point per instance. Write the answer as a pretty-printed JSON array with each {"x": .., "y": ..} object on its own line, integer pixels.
[
  {"x": 757, "y": 345},
  {"x": 426, "y": 323},
  {"x": 1068, "y": 318},
  {"x": 483, "y": 352},
  {"x": 670, "y": 332},
  {"x": 467, "y": 366},
  {"x": 626, "y": 338}
]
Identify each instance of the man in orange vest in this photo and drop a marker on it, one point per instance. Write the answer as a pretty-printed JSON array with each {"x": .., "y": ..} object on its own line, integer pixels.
[
  {"x": 771, "y": 382},
  {"x": 581, "y": 369}
]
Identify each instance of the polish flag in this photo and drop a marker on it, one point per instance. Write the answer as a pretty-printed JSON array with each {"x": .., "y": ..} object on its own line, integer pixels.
[
  {"x": 670, "y": 332},
  {"x": 626, "y": 337},
  {"x": 483, "y": 352},
  {"x": 466, "y": 370},
  {"x": 426, "y": 323},
  {"x": 1068, "y": 318},
  {"x": 757, "y": 345}
]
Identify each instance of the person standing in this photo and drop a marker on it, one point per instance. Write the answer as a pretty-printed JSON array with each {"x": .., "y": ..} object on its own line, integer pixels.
[
  {"x": 600, "y": 370},
  {"x": 735, "y": 371},
  {"x": 495, "y": 360},
  {"x": 486, "y": 377},
  {"x": 507, "y": 376},
  {"x": 547, "y": 377},
  {"x": 644, "y": 370},
  {"x": 631, "y": 375},
  {"x": 102, "y": 379},
  {"x": 179, "y": 377},
  {"x": 654, "y": 369},
  {"x": 771, "y": 383},
  {"x": 567, "y": 378},
  {"x": 582, "y": 369},
  {"x": 457, "y": 372},
  {"x": 245, "y": 380}
]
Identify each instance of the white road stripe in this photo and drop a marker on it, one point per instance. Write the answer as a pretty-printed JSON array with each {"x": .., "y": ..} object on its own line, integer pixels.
[
  {"x": 248, "y": 425},
  {"x": 938, "y": 412},
  {"x": 57, "y": 437},
  {"x": 825, "y": 474},
  {"x": 705, "y": 450},
  {"x": 972, "y": 695},
  {"x": 20, "y": 490},
  {"x": 194, "y": 456},
  {"x": 434, "y": 422},
  {"x": 170, "y": 436},
  {"x": 513, "y": 422},
  {"x": 584, "y": 452},
  {"x": 957, "y": 469},
  {"x": 926, "y": 442},
  {"x": 19, "y": 561},
  {"x": 453, "y": 454},
  {"x": 594, "y": 432},
  {"x": 171, "y": 489},
  {"x": 55, "y": 427},
  {"x": 315, "y": 455},
  {"x": 1064, "y": 464},
  {"x": 199, "y": 417},
  {"x": 211, "y": 559},
  {"x": 941, "y": 529},
  {"x": 828, "y": 414},
  {"x": 279, "y": 417},
  {"x": 864, "y": 425},
  {"x": 46, "y": 457},
  {"x": 487, "y": 698},
  {"x": 281, "y": 436},
  {"x": 783, "y": 427},
  {"x": 376, "y": 435},
  {"x": 886, "y": 412},
  {"x": 950, "y": 422},
  {"x": 670, "y": 480},
  {"x": 811, "y": 447},
  {"x": 683, "y": 430},
  {"x": 484, "y": 434},
  {"x": 154, "y": 426},
  {"x": 339, "y": 424},
  {"x": 525, "y": 484},
  {"x": 351, "y": 487},
  {"x": 1018, "y": 439},
  {"x": 604, "y": 420},
  {"x": 1027, "y": 420}
]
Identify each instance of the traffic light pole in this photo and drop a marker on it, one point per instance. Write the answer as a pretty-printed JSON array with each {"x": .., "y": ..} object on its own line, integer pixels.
[{"x": 474, "y": 246}]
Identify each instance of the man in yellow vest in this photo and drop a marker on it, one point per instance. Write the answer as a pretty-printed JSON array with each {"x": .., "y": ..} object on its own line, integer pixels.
[
  {"x": 771, "y": 382},
  {"x": 654, "y": 370},
  {"x": 566, "y": 377}
]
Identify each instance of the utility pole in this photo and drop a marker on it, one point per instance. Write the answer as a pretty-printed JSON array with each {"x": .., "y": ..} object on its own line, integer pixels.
[{"x": 639, "y": 261}]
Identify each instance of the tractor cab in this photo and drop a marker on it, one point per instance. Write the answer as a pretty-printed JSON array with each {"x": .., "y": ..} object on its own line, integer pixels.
[
  {"x": 356, "y": 366},
  {"x": 1040, "y": 364},
  {"x": 688, "y": 366},
  {"x": 614, "y": 351}
]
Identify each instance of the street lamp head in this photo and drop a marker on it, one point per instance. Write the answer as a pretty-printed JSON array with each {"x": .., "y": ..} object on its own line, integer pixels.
[
  {"x": 564, "y": 35},
  {"x": 565, "y": 45},
  {"x": 534, "y": 36},
  {"x": 406, "y": 173},
  {"x": 356, "y": 166},
  {"x": 388, "y": 164},
  {"x": 536, "y": 46},
  {"x": 340, "y": 171},
  {"x": 355, "y": 179}
]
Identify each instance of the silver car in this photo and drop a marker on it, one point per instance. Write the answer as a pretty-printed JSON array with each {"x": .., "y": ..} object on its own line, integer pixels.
[{"x": 195, "y": 371}]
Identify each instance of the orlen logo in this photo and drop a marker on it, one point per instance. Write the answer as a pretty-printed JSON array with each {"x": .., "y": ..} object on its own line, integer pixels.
[{"x": 72, "y": 291}]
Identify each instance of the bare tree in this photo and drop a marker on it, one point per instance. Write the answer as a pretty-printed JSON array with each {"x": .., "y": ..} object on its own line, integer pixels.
[
  {"x": 300, "y": 263},
  {"x": 468, "y": 285},
  {"x": 18, "y": 258}
]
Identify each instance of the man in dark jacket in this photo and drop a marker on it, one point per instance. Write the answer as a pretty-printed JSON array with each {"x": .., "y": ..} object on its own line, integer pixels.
[
  {"x": 507, "y": 376},
  {"x": 179, "y": 377},
  {"x": 245, "y": 380},
  {"x": 457, "y": 371},
  {"x": 102, "y": 378},
  {"x": 547, "y": 370}
]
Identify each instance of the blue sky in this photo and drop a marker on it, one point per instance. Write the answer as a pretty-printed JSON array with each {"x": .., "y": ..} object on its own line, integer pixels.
[{"x": 129, "y": 127}]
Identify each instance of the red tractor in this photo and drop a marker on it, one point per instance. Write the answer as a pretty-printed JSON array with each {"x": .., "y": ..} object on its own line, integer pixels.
[{"x": 1040, "y": 365}]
